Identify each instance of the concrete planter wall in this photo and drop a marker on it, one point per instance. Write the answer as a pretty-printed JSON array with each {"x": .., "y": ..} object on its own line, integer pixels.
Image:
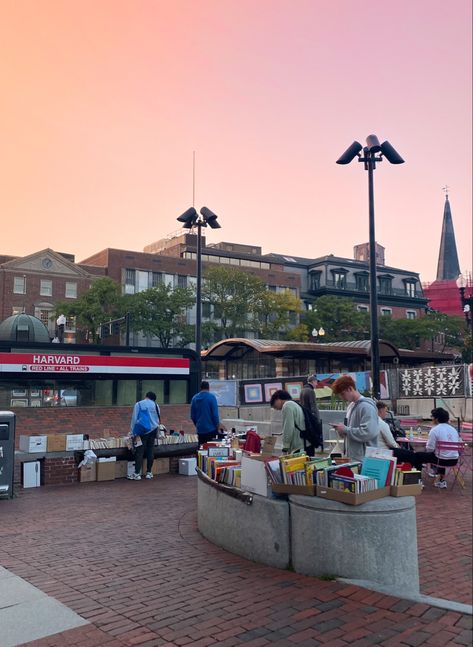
[{"x": 375, "y": 541}]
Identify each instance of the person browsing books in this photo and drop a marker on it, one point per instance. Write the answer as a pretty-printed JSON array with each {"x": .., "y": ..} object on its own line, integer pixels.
[
  {"x": 385, "y": 439},
  {"x": 204, "y": 413},
  {"x": 144, "y": 444},
  {"x": 361, "y": 429},
  {"x": 292, "y": 421},
  {"x": 308, "y": 397},
  {"x": 443, "y": 432}
]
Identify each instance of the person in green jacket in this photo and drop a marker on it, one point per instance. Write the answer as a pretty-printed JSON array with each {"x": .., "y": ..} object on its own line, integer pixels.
[{"x": 292, "y": 421}]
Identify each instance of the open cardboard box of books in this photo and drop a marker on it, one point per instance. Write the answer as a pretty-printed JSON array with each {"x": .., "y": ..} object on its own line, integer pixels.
[
  {"x": 349, "y": 497},
  {"x": 286, "y": 488},
  {"x": 406, "y": 490}
]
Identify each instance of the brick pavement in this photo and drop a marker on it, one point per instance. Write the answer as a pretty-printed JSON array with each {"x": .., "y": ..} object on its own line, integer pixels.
[{"x": 127, "y": 556}]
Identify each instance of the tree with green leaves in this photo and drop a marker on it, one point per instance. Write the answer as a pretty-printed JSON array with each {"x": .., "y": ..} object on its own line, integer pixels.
[
  {"x": 161, "y": 312},
  {"x": 102, "y": 302},
  {"x": 276, "y": 314},
  {"x": 339, "y": 318},
  {"x": 234, "y": 297}
]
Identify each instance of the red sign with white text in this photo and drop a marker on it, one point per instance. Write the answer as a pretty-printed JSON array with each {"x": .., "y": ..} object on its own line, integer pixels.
[{"x": 61, "y": 363}]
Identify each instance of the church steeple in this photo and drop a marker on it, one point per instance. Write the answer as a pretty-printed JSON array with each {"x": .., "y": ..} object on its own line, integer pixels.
[{"x": 448, "y": 267}]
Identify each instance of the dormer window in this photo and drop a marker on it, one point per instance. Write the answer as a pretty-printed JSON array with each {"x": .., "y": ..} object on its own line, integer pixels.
[
  {"x": 410, "y": 287},
  {"x": 315, "y": 280},
  {"x": 340, "y": 278},
  {"x": 385, "y": 284}
]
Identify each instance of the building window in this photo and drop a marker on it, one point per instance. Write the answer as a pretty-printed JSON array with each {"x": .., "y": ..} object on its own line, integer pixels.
[
  {"x": 46, "y": 288},
  {"x": 143, "y": 281},
  {"x": 19, "y": 285},
  {"x": 362, "y": 308},
  {"x": 44, "y": 316},
  {"x": 411, "y": 314},
  {"x": 386, "y": 312},
  {"x": 315, "y": 280},
  {"x": 181, "y": 281},
  {"x": 385, "y": 285},
  {"x": 70, "y": 324},
  {"x": 71, "y": 290},
  {"x": 410, "y": 287},
  {"x": 17, "y": 310},
  {"x": 156, "y": 279},
  {"x": 206, "y": 310},
  {"x": 362, "y": 282},
  {"x": 339, "y": 280}
]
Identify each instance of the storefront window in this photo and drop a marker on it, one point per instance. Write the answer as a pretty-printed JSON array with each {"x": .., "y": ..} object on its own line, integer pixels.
[
  {"x": 177, "y": 392},
  {"x": 103, "y": 393},
  {"x": 156, "y": 386},
  {"x": 126, "y": 392}
]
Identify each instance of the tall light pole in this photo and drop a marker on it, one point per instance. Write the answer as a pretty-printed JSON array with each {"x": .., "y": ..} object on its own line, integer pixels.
[
  {"x": 192, "y": 219},
  {"x": 373, "y": 152}
]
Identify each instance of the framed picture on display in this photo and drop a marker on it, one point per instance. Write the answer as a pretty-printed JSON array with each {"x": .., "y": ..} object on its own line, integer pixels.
[
  {"x": 18, "y": 393},
  {"x": 294, "y": 389},
  {"x": 35, "y": 393},
  {"x": 35, "y": 402},
  {"x": 18, "y": 402},
  {"x": 270, "y": 388},
  {"x": 253, "y": 393}
]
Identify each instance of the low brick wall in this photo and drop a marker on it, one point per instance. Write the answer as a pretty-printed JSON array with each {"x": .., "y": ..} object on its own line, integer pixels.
[
  {"x": 94, "y": 421},
  {"x": 59, "y": 471}
]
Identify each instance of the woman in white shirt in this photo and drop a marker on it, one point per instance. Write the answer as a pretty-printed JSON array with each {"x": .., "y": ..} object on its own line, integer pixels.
[
  {"x": 385, "y": 439},
  {"x": 440, "y": 459}
]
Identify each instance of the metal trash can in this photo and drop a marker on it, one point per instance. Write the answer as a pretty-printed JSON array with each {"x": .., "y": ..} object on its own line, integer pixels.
[{"x": 7, "y": 453}]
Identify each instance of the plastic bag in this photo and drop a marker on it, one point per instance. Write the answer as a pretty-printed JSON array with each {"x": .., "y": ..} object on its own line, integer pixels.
[{"x": 89, "y": 458}]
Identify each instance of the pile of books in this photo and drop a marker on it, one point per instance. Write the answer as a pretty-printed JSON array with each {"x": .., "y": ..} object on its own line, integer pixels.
[
  {"x": 297, "y": 469},
  {"x": 407, "y": 477},
  {"x": 217, "y": 463},
  {"x": 107, "y": 443},
  {"x": 178, "y": 438}
]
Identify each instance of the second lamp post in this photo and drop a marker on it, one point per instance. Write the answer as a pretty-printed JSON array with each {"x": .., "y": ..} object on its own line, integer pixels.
[{"x": 192, "y": 219}]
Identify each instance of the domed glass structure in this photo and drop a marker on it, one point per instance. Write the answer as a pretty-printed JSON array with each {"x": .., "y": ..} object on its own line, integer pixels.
[{"x": 23, "y": 327}]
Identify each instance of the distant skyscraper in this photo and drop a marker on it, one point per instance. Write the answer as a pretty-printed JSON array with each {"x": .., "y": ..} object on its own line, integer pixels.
[{"x": 448, "y": 267}]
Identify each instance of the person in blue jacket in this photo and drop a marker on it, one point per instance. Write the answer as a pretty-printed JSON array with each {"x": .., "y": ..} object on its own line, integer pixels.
[
  {"x": 145, "y": 443},
  {"x": 204, "y": 413}
]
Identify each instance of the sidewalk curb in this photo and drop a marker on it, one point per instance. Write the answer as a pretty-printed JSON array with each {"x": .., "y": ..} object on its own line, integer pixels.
[{"x": 448, "y": 605}]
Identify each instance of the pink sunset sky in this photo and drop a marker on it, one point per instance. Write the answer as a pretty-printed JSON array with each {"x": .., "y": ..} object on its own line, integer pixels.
[{"x": 103, "y": 103}]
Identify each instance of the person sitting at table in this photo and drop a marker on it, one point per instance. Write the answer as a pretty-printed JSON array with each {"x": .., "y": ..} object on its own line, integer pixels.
[
  {"x": 385, "y": 439},
  {"x": 443, "y": 432}
]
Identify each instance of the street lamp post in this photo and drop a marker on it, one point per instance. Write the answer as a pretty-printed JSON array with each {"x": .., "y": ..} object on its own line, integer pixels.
[
  {"x": 466, "y": 301},
  {"x": 318, "y": 333},
  {"x": 192, "y": 219},
  {"x": 373, "y": 152}
]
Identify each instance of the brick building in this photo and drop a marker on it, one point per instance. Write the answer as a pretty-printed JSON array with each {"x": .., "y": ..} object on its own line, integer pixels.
[{"x": 33, "y": 284}]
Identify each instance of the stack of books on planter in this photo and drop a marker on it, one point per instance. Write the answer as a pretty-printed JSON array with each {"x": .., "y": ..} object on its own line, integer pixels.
[{"x": 219, "y": 464}]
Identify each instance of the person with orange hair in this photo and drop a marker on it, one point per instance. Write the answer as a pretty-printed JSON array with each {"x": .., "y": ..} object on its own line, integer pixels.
[{"x": 360, "y": 428}]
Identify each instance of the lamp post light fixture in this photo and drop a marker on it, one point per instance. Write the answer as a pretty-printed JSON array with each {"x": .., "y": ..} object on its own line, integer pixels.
[
  {"x": 373, "y": 152},
  {"x": 318, "y": 333},
  {"x": 466, "y": 301},
  {"x": 192, "y": 219}
]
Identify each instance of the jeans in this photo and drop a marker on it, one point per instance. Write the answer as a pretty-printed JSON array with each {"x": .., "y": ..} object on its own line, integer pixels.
[{"x": 145, "y": 449}]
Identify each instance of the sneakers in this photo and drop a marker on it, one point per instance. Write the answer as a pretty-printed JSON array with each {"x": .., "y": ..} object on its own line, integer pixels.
[
  {"x": 441, "y": 484},
  {"x": 134, "y": 477},
  {"x": 149, "y": 475}
]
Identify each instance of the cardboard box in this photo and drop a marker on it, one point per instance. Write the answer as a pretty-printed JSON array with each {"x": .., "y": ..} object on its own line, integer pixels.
[
  {"x": 269, "y": 443},
  {"x": 285, "y": 488},
  {"x": 350, "y": 498},
  {"x": 253, "y": 475},
  {"x": 33, "y": 444},
  {"x": 57, "y": 443},
  {"x": 406, "y": 490},
  {"x": 162, "y": 465},
  {"x": 74, "y": 442},
  {"x": 106, "y": 469},
  {"x": 88, "y": 474},
  {"x": 121, "y": 469},
  {"x": 187, "y": 466}
]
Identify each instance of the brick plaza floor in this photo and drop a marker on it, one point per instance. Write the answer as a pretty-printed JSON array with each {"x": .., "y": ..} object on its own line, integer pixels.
[{"x": 127, "y": 556}]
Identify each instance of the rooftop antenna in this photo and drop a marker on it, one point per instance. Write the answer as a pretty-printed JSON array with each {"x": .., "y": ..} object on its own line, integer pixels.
[
  {"x": 445, "y": 189},
  {"x": 193, "y": 179}
]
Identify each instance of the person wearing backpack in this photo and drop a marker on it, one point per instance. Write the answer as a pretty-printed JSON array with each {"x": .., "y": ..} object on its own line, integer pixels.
[
  {"x": 292, "y": 421},
  {"x": 144, "y": 428}
]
